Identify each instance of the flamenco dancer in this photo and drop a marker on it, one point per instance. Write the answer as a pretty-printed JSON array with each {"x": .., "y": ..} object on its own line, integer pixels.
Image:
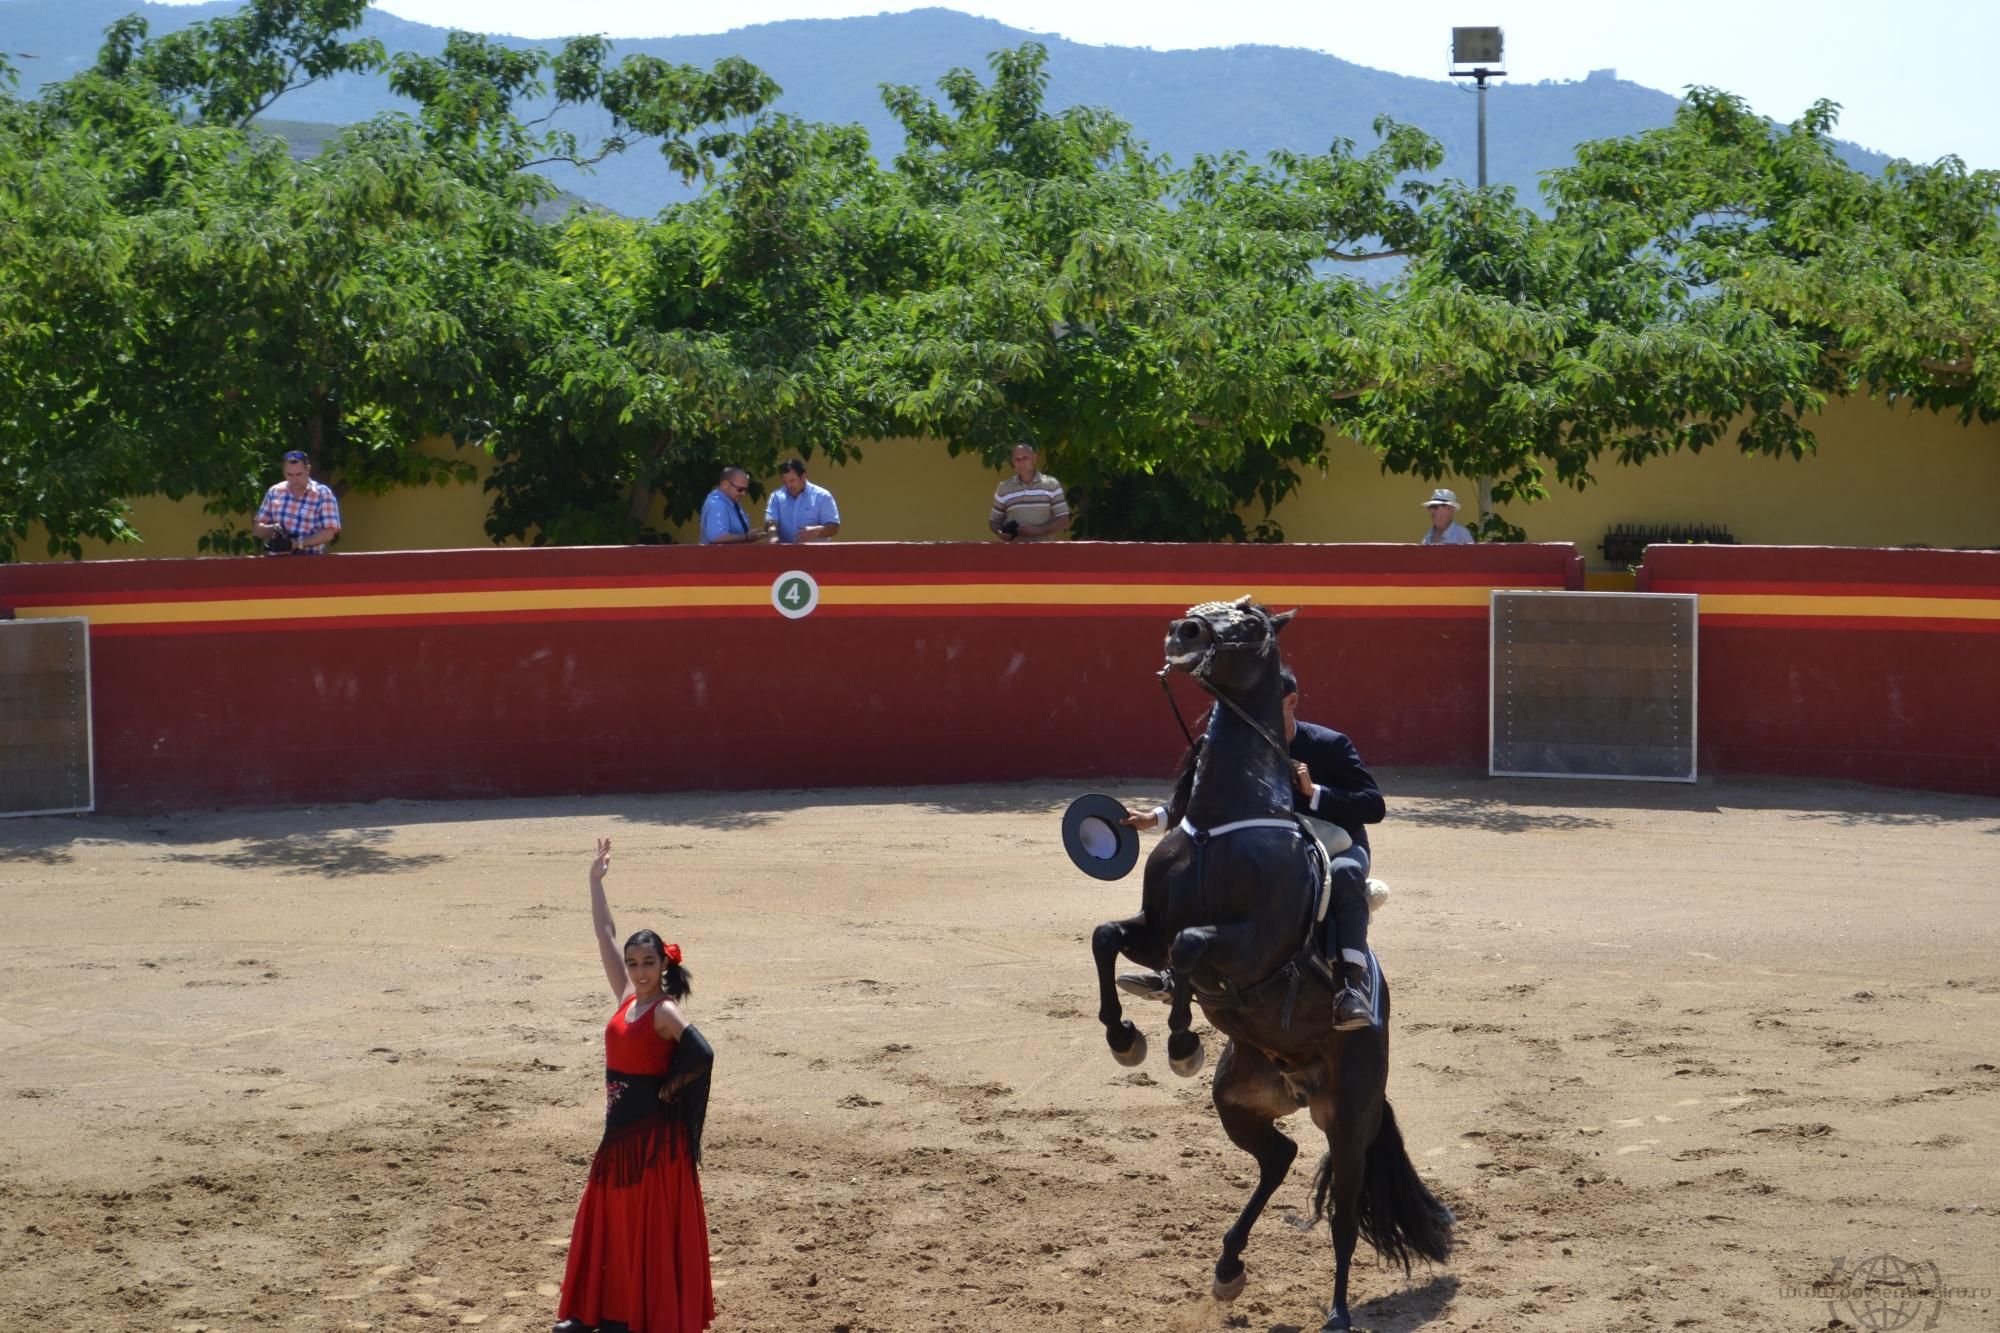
[{"x": 638, "y": 1254}]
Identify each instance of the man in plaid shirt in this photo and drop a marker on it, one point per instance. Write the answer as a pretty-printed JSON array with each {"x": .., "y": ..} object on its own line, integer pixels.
[{"x": 299, "y": 508}]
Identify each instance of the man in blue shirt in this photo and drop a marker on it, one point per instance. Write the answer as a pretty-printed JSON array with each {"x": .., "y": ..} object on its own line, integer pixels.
[
  {"x": 1445, "y": 529},
  {"x": 800, "y": 511},
  {"x": 723, "y": 521}
]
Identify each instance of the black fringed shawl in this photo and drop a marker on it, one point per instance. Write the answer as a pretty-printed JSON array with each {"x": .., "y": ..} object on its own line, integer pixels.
[
  {"x": 639, "y": 1120},
  {"x": 688, "y": 1071}
]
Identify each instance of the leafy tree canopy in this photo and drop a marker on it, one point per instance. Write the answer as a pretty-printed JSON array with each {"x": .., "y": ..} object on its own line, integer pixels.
[{"x": 180, "y": 299}]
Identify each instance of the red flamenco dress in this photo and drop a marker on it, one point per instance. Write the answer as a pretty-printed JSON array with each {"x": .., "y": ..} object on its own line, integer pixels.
[{"x": 638, "y": 1254}]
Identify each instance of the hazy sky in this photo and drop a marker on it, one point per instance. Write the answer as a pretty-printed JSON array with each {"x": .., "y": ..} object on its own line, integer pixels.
[{"x": 1912, "y": 80}]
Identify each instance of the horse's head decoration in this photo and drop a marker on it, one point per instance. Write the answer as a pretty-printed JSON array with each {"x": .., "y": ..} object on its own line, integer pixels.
[{"x": 1226, "y": 646}]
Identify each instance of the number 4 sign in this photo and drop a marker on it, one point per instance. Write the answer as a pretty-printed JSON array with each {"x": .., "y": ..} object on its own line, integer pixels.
[{"x": 795, "y": 593}]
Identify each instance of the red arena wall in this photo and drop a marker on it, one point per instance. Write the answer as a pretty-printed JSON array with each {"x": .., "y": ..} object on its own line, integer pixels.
[
  {"x": 1881, "y": 666},
  {"x": 524, "y": 672}
]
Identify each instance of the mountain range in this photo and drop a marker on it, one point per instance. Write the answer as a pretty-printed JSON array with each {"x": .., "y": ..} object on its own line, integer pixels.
[{"x": 1253, "y": 98}]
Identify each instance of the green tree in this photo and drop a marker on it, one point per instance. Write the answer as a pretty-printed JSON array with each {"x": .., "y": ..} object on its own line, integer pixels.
[
  {"x": 1718, "y": 279},
  {"x": 1168, "y": 338},
  {"x": 180, "y": 300},
  {"x": 584, "y": 399},
  {"x": 1892, "y": 279},
  {"x": 183, "y": 300},
  {"x": 716, "y": 335},
  {"x": 229, "y": 70}
]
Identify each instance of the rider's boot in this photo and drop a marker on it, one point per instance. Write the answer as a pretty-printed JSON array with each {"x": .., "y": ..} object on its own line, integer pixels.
[
  {"x": 1148, "y": 985},
  {"x": 1347, "y": 949},
  {"x": 1351, "y": 1010}
]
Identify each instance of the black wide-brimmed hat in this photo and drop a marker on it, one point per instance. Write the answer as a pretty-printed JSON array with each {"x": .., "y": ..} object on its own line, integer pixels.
[{"x": 1100, "y": 845}]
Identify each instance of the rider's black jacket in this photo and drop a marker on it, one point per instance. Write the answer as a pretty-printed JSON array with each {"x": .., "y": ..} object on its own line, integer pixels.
[{"x": 1343, "y": 791}]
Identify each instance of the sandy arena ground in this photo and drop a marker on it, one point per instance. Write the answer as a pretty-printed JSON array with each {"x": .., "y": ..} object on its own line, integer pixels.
[{"x": 1671, "y": 1053}]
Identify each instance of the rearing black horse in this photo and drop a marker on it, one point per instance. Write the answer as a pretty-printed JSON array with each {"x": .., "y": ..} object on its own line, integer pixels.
[{"x": 1232, "y": 897}]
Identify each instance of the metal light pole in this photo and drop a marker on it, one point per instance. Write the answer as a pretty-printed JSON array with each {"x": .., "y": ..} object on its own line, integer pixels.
[{"x": 1480, "y": 48}]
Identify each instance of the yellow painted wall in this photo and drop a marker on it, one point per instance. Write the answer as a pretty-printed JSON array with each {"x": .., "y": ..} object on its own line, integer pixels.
[
  {"x": 169, "y": 527},
  {"x": 422, "y": 519},
  {"x": 407, "y": 519},
  {"x": 1883, "y": 476},
  {"x": 900, "y": 490}
]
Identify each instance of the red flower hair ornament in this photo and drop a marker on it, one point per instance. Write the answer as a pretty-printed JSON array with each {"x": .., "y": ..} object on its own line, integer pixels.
[{"x": 673, "y": 952}]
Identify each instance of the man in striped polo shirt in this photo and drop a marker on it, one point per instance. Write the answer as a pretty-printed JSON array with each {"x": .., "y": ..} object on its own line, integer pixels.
[{"x": 1029, "y": 506}]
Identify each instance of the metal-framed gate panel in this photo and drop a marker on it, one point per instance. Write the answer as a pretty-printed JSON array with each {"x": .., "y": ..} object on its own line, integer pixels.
[
  {"x": 47, "y": 751},
  {"x": 1593, "y": 685}
]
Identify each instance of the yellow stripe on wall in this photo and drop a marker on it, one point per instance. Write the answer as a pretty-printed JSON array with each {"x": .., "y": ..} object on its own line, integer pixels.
[
  {"x": 1897, "y": 608},
  {"x": 1142, "y": 594},
  {"x": 851, "y": 594},
  {"x": 406, "y": 604}
]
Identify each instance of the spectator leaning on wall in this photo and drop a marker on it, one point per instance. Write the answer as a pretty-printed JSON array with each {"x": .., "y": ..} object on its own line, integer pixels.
[
  {"x": 799, "y": 511},
  {"x": 299, "y": 516},
  {"x": 1445, "y": 529},
  {"x": 723, "y": 521},
  {"x": 1028, "y": 506}
]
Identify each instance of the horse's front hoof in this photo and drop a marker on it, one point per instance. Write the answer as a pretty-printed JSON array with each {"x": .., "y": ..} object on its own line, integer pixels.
[
  {"x": 1185, "y": 1054},
  {"x": 1225, "y": 1292},
  {"x": 1337, "y": 1322},
  {"x": 1134, "y": 1053}
]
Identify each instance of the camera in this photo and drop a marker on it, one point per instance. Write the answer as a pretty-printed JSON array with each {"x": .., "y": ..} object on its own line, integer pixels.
[
  {"x": 1011, "y": 529},
  {"x": 278, "y": 543}
]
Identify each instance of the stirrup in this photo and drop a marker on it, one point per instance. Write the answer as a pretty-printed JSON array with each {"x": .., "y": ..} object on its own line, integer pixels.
[
  {"x": 1327, "y": 972},
  {"x": 1148, "y": 985}
]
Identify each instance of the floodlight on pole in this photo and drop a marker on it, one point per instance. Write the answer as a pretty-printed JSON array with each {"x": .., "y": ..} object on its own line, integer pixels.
[{"x": 1480, "y": 48}]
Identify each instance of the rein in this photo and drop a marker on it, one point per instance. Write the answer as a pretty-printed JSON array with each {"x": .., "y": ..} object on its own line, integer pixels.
[
  {"x": 1200, "y": 675},
  {"x": 1173, "y": 707},
  {"x": 1250, "y": 721}
]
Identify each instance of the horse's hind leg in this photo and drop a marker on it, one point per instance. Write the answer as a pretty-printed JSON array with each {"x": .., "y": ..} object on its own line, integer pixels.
[
  {"x": 1128, "y": 1044},
  {"x": 1350, "y": 1118},
  {"x": 1249, "y": 1099}
]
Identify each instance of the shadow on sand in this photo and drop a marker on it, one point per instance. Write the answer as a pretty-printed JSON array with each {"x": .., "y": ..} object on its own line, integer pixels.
[
  {"x": 331, "y": 854},
  {"x": 333, "y": 840},
  {"x": 44, "y": 841},
  {"x": 1460, "y": 799},
  {"x": 1398, "y": 1312}
]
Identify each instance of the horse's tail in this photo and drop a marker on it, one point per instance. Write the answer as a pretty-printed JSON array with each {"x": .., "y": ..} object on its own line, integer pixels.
[{"x": 1400, "y": 1217}]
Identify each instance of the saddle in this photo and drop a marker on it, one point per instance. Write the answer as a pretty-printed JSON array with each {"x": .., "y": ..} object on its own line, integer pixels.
[{"x": 1324, "y": 841}]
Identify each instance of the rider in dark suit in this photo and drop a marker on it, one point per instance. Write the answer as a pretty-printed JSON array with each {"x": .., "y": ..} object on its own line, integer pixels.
[{"x": 1329, "y": 784}]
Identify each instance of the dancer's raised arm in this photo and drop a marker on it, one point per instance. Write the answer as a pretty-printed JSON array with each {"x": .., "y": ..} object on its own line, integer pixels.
[{"x": 601, "y": 925}]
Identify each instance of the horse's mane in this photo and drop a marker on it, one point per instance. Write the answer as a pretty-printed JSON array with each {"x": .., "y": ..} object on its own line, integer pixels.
[{"x": 1184, "y": 782}]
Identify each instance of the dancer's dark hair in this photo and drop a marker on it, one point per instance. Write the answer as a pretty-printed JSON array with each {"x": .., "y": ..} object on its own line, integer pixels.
[{"x": 675, "y": 979}]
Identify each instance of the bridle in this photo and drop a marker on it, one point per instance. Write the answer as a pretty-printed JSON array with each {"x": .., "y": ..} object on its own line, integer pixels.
[{"x": 1202, "y": 670}]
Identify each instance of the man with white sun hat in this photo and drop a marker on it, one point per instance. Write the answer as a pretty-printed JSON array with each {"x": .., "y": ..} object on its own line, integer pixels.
[{"x": 1445, "y": 529}]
